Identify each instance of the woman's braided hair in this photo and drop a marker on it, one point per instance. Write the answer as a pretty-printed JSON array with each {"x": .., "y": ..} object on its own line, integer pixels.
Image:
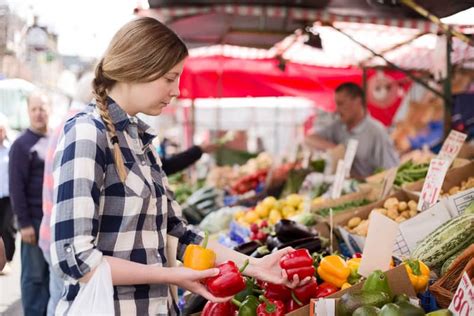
[{"x": 143, "y": 50}]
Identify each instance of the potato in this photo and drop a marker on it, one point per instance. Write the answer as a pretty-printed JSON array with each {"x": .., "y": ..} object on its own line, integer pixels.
[
  {"x": 412, "y": 205},
  {"x": 380, "y": 210},
  {"x": 402, "y": 206},
  {"x": 392, "y": 213},
  {"x": 412, "y": 213},
  {"x": 454, "y": 190},
  {"x": 362, "y": 228},
  {"x": 390, "y": 202},
  {"x": 353, "y": 222},
  {"x": 405, "y": 214},
  {"x": 400, "y": 219}
]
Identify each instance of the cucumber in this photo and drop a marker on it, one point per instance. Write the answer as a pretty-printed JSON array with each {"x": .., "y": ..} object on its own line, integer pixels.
[
  {"x": 445, "y": 241},
  {"x": 450, "y": 260}
]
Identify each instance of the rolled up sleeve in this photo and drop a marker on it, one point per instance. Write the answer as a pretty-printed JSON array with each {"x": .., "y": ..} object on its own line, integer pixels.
[{"x": 79, "y": 168}]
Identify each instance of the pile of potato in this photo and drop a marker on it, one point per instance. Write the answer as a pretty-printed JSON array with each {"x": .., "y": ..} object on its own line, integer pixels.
[
  {"x": 397, "y": 210},
  {"x": 465, "y": 185}
]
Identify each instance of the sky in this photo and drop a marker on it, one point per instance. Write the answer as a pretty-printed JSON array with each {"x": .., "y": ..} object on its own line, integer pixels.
[{"x": 85, "y": 27}]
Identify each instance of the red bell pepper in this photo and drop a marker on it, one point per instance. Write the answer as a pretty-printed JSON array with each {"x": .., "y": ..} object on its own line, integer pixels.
[
  {"x": 276, "y": 292},
  {"x": 219, "y": 309},
  {"x": 296, "y": 259},
  {"x": 298, "y": 262},
  {"x": 306, "y": 292},
  {"x": 302, "y": 272},
  {"x": 326, "y": 289},
  {"x": 293, "y": 304},
  {"x": 228, "y": 282},
  {"x": 270, "y": 307}
]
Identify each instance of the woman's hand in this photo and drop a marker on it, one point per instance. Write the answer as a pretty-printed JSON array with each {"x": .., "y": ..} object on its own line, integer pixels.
[
  {"x": 268, "y": 269},
  {"x": 190, "y": 279}
]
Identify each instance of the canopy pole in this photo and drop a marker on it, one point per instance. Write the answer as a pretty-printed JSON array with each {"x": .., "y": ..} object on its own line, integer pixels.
[
  {"x": 409, "y": 74},
  {"x": 364, "y": 84},
  {"x": 433, "y": 18},
  {"x": 447, "y": 85}
]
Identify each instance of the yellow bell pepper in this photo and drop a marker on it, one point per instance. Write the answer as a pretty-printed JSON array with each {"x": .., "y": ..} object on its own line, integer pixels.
[
  {"x": 353, "y": 265},
  {"x": 333, "y": 269},
  {"x": 346, "y": 286},
  {"x": 198, "y": 257},
  {"x": 419, "y": 274}
]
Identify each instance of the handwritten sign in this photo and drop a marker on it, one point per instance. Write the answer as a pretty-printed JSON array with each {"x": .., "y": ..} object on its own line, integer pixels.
[
  {"x": 433, "y": 182},
  {"x": 463, "y": 300},
  {"x": 452, "y": 145},
  {"x": 349, "y": 155},
  {"x": 338, "y": 180}
]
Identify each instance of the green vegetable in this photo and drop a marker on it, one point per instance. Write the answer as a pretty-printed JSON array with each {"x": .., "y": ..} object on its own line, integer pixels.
[
  {"x": 408, "y": 309},
  {"x": 366, "y": 311},
  {"x": 410, "y": 172},
  {"x": 401, "y": 298},
  {"x": 441, "y": 312},
  {"x": 349, "y": 302},
  {"x": 377, "y": 282},
  {"x": 344, "y": 206},
  {"x": 449, "y": 261},
  {"x": 446, "y": 240},
  {"x": 391, "y": 309},
  {"x": 248, "y": 307}
]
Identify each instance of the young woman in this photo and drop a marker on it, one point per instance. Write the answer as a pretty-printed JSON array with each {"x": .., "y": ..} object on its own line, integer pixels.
[{"x": 112, "y": 198}]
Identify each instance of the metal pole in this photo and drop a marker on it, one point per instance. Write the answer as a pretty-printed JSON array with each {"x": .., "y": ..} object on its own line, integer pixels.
[
  {"x": 410, "y": 75},
  {"x": 448, "y": 100},
  {"x": 364, "y": 84}
]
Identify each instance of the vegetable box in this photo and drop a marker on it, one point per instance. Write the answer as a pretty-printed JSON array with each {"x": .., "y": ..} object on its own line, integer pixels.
[{"x": 397, "y": 279}]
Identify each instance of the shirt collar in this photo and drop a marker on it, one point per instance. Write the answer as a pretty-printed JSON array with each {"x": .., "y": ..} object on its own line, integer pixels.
[
  {"x": 359, "y": 128},
  {"x": 121, "y": 120}
]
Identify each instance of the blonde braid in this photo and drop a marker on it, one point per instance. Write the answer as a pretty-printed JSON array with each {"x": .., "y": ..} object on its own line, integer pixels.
[{"x": 100, "y": 85}]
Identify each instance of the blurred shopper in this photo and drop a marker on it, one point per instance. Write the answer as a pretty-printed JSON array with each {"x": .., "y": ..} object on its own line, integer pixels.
[
  {"x": 113, "y": 202},
  {"x": 7, "y": 228},
  {"x": 81, "y": 99},
  {"x": 178, "y": 162},
  {"x": 375, "y": 148},
  {"x": 26, "y": 169}
]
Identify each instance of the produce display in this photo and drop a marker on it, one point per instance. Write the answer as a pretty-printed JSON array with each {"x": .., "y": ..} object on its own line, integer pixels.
[
  {"x": 272, "y": 210},
  {"x": 465, "y": 185},
  {"x": 239, "y": 210},
  {"x": 410, "y": 172},
  {"x": 397, "y": 210}
]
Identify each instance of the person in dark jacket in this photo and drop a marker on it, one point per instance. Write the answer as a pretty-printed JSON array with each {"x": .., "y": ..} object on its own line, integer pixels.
[
  {"x": 180, "y": 161},
  {"x": 26, "y": 167}
]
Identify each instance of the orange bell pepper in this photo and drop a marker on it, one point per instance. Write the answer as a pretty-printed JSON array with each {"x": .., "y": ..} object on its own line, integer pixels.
[
  {"x": 198, "y": 257},
  {"x": 333, "y": 269},
  {"x": 419, "y": 274}
]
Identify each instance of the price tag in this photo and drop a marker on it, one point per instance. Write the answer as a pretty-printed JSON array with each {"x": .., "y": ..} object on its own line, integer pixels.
[
  {"x": 388, "y": 181},
  {"x": 463, "y": 300},
  {"x": 452, "y": 145},
  {"x": 350, "y": 154},
  {"x": 433, "y": 182},
  {"x": 338, "y": 180}
]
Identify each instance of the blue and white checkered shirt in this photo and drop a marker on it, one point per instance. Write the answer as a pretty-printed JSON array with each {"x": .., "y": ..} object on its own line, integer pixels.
[{"x": 94, "y": 214}]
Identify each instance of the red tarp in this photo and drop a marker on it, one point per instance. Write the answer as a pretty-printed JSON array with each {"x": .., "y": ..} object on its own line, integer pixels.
[{"x": 225, "y": 77}]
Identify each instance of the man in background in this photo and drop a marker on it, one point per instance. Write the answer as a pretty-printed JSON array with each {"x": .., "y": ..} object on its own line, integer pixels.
[
  {"x": 26, "y": 167},
  {"x": 375, "y": 149}
]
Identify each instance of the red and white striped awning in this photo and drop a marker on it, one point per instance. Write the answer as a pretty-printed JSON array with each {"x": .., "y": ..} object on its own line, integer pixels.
[
  {"x": 305, "y": 14},
  {"x": 340, "y": 52}
]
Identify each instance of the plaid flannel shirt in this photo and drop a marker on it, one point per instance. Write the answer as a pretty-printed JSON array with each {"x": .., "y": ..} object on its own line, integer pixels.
[{"x": 94, "y": 214}]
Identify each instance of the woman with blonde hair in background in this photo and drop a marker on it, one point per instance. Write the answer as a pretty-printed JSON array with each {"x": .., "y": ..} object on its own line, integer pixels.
[{"x": 113, "y": 201}]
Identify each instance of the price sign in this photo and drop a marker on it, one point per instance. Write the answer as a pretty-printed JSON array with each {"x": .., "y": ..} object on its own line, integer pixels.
[
  {"x": 452, "y": 145},
  {"x": 338, "y": 180},
  {"x": 350, "y": 154},
  {"x": 433, "y": 182},
  {"x": 463, "y": 300}
]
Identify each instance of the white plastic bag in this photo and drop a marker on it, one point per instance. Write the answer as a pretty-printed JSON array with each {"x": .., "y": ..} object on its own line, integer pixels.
[{"x": 96, "y": 297}]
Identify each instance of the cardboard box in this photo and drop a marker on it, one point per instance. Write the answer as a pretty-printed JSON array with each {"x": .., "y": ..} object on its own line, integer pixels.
[
  {"x": 365, "y": 192},
  {"x": 356, "y": 242},
  {"x": 454, "y": 177},
  {"x": 398, "y": 281}
]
